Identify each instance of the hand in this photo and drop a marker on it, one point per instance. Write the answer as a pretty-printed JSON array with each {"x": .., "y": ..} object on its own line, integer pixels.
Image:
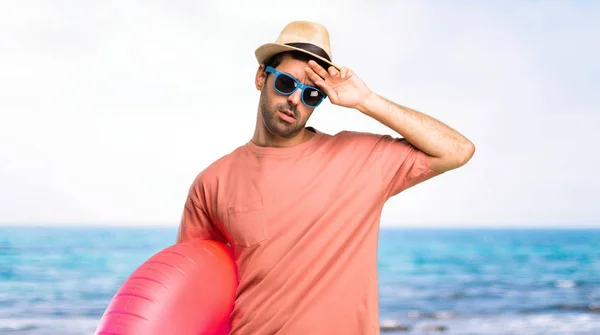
[{"x": 343, "y": 87}]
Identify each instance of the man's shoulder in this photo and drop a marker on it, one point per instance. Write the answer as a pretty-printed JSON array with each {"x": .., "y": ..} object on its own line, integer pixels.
[
  {"x": 369, "y": 143},
  {"x": 220, "y": 167},
  {"x": 361, "y": 138}
]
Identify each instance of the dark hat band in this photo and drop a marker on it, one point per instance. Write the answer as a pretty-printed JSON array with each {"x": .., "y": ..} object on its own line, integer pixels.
[{"x": 310, "y": 48}]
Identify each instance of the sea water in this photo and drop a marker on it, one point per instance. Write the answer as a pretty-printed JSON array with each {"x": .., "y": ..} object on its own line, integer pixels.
[{"x": 58, "y": 280}]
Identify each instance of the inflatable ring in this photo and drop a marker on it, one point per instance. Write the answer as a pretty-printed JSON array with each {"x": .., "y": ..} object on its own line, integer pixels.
[{"x": 187, "y": 288}]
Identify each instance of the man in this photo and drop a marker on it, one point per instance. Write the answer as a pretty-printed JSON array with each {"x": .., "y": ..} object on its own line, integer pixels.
[{"x": 301, "y": 208}]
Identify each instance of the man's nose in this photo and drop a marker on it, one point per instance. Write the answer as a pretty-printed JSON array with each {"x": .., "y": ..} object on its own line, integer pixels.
[{"x": 295, "y": 97}]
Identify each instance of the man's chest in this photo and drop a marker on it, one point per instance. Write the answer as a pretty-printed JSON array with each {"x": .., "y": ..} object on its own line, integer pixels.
[{"x": 273, "y": 199}]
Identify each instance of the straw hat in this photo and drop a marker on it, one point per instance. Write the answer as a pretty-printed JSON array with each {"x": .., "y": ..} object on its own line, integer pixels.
[{"x": 309, "y": 37}]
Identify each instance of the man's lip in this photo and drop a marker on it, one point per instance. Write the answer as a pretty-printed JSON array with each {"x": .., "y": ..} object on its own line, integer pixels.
[{"x": 287, "y": 112}]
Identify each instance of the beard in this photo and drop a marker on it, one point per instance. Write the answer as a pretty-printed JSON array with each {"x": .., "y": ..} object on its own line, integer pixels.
[{"x": 275, "y": 125}]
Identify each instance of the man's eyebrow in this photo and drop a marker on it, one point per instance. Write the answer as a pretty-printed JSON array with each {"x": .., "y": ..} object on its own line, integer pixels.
[{"x": 307, "y": 79}]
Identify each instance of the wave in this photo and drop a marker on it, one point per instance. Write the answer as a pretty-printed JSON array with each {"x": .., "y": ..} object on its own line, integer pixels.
[
  {"x": 538, "y": 324},
  {"x": 593, "y": 308}
]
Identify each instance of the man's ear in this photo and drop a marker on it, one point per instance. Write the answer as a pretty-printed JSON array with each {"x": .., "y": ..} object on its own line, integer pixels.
[{"x": 261, "y": 77}]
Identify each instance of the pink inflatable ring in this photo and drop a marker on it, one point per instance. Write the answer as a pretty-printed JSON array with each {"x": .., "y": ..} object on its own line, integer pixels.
[{"x": 187, "y": 288}]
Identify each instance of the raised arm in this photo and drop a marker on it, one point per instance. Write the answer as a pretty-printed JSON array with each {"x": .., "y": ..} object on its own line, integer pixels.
[{"x": 445, "y": 148}]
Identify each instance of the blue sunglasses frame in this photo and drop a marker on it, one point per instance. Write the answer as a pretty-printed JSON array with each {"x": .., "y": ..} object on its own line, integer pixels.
[{"x": 299, "y": 85}]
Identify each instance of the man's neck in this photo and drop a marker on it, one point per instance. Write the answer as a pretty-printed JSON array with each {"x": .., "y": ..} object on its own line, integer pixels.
[{"x": 263, "y": 138}]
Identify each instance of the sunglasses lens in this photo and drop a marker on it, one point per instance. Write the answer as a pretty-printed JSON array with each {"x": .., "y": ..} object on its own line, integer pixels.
[
  {"x": 312, "y": 97},
  {"x": 285, "y": 84}
]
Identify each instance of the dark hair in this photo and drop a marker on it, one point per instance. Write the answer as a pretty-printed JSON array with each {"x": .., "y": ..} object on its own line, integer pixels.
[{"x": 276, "y": 59}]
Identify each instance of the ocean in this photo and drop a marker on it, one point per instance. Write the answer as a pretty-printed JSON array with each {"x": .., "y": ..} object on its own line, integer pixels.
[{"x": 58, "y": 280}]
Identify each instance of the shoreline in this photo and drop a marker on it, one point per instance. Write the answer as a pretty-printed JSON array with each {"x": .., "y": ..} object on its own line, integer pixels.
[{"x": 504, "y": 324}]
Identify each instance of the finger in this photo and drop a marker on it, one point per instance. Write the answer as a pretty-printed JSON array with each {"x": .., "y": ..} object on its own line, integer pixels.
[
  {"x": 312, "y": 75},
  {"x": 317, "y": 68},
  {"x": 319, "y": 82},
  {"x": 324, "y": 86},
  {"x": 343, "y": 72},
  {"x": 332, "y": 71}
]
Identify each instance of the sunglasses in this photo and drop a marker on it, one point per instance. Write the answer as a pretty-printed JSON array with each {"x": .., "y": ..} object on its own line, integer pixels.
[{"x": 286, "y": 84}]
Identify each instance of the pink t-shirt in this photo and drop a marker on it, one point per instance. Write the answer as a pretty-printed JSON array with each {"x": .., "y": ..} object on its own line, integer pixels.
[{"x": 304, "y": 224}]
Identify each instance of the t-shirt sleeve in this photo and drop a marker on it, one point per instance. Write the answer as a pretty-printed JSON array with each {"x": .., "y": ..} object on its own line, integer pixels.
[
  {"x": 196, "y": 220},
  {"x": 402, "y": 165}
]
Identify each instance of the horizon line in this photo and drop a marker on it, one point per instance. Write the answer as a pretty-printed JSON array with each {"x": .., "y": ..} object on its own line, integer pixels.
[{"x": 429, "y": 226}]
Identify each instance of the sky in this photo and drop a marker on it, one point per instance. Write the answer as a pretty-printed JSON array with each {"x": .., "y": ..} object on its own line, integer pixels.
[{"x": 109, "y": 109}]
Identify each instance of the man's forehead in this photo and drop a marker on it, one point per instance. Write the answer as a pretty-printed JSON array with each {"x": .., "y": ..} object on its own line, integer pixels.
[{"x": 296, "y": 68}]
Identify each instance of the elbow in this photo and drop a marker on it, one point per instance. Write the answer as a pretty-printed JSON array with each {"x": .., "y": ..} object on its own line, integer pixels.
[
  {"x": 465, "y": 153},
  {"x": 460, "y": 156},
  {"x": 455, "y": 159}
]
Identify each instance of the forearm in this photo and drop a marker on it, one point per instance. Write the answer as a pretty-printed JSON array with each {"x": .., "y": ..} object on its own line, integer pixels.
[{"x": 447, "y": 147}]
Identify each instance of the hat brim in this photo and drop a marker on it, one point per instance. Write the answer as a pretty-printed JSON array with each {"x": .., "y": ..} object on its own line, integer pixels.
[{"x": 266, "y": 51}]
